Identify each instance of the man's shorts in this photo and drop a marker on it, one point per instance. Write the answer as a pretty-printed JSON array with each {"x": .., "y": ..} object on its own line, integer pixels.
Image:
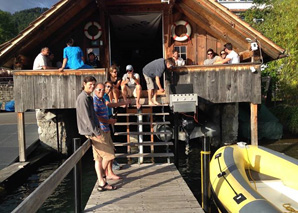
[
  {"x": 149, "y": 82},
  {"x": 131, "y": 91},
  {"x": 103, "y": 147}
]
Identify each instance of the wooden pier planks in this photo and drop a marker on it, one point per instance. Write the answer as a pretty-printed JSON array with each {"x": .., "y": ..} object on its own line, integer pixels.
[{"x": 146, "y": 188}]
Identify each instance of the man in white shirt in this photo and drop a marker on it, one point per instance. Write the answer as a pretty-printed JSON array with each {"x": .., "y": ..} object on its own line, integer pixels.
[
  {"x": 130, "y": 85},
  {"x": 41, "y": 60},
  {"x": 232, "y": 57}
]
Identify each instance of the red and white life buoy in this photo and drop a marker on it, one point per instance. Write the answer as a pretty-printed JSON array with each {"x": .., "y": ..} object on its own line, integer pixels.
[
  {"x": 89, "y": 24},
  {"x": 188, "y": 29}
]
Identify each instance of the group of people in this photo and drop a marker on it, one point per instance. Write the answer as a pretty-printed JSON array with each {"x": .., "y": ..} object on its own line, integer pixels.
[
  {"x": 130, "y": 86},
  {"x": 73, "y": 58},
  {"x": 93, "y": 121},
  {"x": 227, "y": 56}
]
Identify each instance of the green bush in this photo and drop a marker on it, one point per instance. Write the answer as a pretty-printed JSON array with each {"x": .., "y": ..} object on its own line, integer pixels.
[{"x": 288, "y": 116}]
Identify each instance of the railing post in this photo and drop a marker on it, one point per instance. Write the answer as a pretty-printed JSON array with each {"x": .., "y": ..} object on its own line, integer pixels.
[
  {"x": 205, "y": 175},
  {"x": 176, "y": 157},
  {"x": 21, "y": 137},
  {"x": 77, "y": 172}
]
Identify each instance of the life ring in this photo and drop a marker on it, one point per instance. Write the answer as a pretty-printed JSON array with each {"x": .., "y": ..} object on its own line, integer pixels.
[
  {"x": 89, "y": 24},
  {"x": 188, "y": 29}
]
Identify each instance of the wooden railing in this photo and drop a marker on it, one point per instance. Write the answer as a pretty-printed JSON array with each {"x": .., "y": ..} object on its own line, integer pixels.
[
  {"x": 50, "y": 89},
  {"x": 35, "y": 200}
]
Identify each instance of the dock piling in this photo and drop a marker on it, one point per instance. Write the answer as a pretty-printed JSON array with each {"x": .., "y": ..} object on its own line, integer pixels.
[{"x": 77, "y": 173}]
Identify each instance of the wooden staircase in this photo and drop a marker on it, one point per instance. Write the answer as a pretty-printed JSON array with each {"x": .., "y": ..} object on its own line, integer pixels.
[{"x": 135, "y": 130}]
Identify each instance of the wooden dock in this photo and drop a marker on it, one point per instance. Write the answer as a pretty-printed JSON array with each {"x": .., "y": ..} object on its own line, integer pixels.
[{"x": 146, "y": 188}]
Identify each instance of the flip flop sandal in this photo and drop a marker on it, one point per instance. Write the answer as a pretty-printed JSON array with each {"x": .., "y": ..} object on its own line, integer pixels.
[{"x": 104, "y": 187}]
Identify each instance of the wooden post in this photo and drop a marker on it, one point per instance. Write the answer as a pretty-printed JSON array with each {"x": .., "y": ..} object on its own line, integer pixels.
[
  {"x": 254, "y": 123},
  {"x": 21, "y": 137}
]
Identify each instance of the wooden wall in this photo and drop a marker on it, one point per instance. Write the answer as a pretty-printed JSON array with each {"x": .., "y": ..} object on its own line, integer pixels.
[
  {"x": 220, "y": 84},
  {"x": 50, "y": 89}
]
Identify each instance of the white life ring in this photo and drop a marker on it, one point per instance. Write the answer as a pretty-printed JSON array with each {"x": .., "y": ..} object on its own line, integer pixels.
[
  {"x": 188, "y": 28},
  {"x": 89, "y": 24}
]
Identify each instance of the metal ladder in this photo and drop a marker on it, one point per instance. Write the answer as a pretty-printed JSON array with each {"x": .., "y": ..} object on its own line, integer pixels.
[{"x": 145, "y": 112}]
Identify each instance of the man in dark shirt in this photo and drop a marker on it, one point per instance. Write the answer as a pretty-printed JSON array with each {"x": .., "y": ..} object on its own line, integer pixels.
[
  {"x": 87, "y": 123},
  {"x": 152, "y": 73}
]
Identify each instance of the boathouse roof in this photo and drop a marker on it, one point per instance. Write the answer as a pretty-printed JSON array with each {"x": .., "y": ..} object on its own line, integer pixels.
[{"x": 208, "y": 14}]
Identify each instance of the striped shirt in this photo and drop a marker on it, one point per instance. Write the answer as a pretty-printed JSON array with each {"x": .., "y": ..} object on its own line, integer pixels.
[{"x": 101, "y": 111}]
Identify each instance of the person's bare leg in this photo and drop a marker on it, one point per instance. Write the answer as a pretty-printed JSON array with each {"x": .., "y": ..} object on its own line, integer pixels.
[
  {"x": 150, "y": 97},
  {"x": 124, "y": 92},
  {"x": 139, "y": 90},
  {"x": 110, "y": 175},
  {"x": 116, "y": 94},
  {"x": 99, "y": 173},
  {"x": 154, "y": 97},
  {"x": 111, "y": 96},
  {"x": 104, "y": 167}
]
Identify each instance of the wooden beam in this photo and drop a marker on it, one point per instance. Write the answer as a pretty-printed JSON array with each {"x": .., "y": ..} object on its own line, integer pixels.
[
  {"x": 254, "y": 123},
  {"x": 132, "y": 2},
  {"x": 212, "y": 24},
  {"x": 21, "y": 137}
]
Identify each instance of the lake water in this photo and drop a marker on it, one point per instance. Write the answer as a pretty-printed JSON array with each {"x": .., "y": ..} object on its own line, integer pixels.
[{"x": 62, "y": 199}]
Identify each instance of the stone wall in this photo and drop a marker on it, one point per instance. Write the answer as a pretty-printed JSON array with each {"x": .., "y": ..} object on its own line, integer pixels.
[
  {"x": 6, "y": 87},
  {"x": 63, "y": 122}
]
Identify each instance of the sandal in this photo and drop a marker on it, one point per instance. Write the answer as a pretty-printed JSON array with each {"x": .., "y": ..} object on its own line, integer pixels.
[{"x": 104, "y": 187}]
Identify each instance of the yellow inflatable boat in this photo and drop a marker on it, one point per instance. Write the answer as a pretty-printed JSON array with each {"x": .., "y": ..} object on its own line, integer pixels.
[{"x": 253, "y": 179}]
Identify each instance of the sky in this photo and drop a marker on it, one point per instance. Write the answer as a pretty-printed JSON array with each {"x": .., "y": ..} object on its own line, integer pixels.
[{"x": 17, "y": 5}]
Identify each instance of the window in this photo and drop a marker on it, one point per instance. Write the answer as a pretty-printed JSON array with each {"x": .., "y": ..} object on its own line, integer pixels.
[{"x": 181, "y": 51}]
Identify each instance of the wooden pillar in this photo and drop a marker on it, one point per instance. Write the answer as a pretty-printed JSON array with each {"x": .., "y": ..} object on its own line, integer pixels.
[
  {"x": 21, "y": 137},
  {"x": 254, "y": 123}
]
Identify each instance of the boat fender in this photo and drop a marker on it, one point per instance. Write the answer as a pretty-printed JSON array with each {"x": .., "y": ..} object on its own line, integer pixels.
[
  {"x": 90, "y": 24},
  {"x": 188, "y": 28}
]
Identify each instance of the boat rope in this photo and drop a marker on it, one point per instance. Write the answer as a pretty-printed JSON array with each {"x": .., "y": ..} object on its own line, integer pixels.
[
  {"x": 222, "y": 174},
  {"x": 288, "y": 207},
  {"x": 249, "y": 172}
]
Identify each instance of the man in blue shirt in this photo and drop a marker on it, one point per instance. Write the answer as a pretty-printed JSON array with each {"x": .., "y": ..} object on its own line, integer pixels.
[
  {"x": 152, "y": 73},
  {"x": 105, "y": 144}
]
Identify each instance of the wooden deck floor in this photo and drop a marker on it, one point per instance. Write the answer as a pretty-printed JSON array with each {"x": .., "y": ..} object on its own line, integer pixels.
[{"x": 146, "y": 188}]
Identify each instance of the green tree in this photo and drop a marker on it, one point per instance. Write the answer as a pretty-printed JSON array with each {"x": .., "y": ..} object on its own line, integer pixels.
[
  {"x": 281, "y": 26},
  {"x": 12, "y": 25},
  {"x": 7, "y": 28},
  {"x": 24, "y": 17}
]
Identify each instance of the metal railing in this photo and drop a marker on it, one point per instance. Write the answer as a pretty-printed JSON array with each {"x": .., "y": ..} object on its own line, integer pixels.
[{"x": 35, "y": 200}]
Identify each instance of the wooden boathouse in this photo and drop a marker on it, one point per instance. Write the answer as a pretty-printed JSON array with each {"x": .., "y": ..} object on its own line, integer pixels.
[{"x": 137, "y": 32}]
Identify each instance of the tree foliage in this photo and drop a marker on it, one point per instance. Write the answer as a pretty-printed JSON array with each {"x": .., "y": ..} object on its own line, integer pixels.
[
  {"x": 281, "y": 26},
  {"x": 7, "y": 28},
  {"x": 23, "y": 18},
  {"x": 12, "y": 24}
]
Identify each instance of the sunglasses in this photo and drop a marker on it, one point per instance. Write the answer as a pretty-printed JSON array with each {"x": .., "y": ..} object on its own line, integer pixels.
[
  {"x": 99, "y": 90},
  {"x": 108, "y": 86},
  {"x": 114, "y": 72},
  {"x": 222, "y": 53},
  {"x": 128, "y": 70},
  {"x": 209, "y": 53}
]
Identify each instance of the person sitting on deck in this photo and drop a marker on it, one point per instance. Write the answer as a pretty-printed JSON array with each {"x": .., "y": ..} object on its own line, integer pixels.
[
  {"x": 178, "y": 60},
  {"x": 92, "y": 60},
  {"x": 211, "y": 57},
  {"x": 152, "y": 73},
  {"x": 103, "y": 151},
  {"x": 223, "y": 54},
  {"x": 41, "y": 60},
  {"x": 73, "y": 57},
  {"x": 130, "y": 85},
  {"x": 232, "y": 57},
  {"x": 116, "y": 81}
]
